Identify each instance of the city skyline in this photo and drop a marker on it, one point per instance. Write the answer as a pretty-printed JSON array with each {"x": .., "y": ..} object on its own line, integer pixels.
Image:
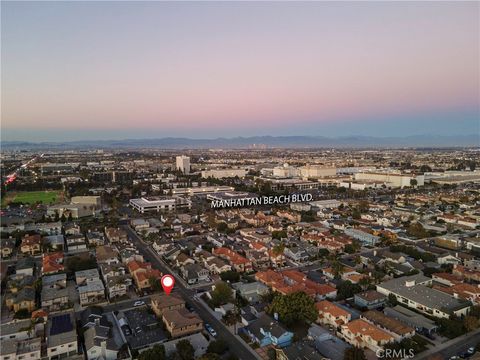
[{"x": 103, "y": 70}]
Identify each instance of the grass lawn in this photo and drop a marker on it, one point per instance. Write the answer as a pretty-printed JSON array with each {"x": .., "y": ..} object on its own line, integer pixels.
[{"x": 32, "y": 197}]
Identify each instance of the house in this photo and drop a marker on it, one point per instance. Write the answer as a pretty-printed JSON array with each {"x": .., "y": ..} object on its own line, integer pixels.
[
  {"x": 16, "y": 330},
  {"x": 106, "y": 254},
  {"x": 91, "y": 316},
  {"x": 217, "y": 266},
  {"x": 117, "y": 285},
  {"x": 466, "y": 273},
  {"x": 238, "y": 262},
  {"x": 130, "y": 254},
  {"x": 116, "y": 235},
  {"x": 31, "y": 244},
  {"x": 7, "y": 247},
  {"x": 61, "y": 336},
  {"x": 25, "y": 266},
  {"x": 181, "y": 322},
  {"x": 55, "y": 242},
  {"x": 21, "y": 349},
  {"x": 95, "y": 238},
  {"x": 361, "y": 333},
  {"x": 412, "y": 291},
  {"x": 72, "y": 229},
  {"x": 266, "y": 331},
  {"x": 331, "y": 314},
  {"x": 252, "y": 292},
  {"x": 85, "y": 276},
  {"x": 24, "y": 299},
  {"x": 76, "y": 243},
  {"x": 194, "y": 273},
  {"x": 393, "y": 326},
  {"x": 464, "y": 291},
  {"x": 362, "y": 235},
  {"x": 117, "y": 281},
  {"x": 412, "y": 319},
  {"x": 300, "y": 350},
  {"x": 103, "y": 340},
  {"x": 92, "y": 292},
  {"x": 297, "y": 254},
  {"x": 54, "y": 294},
  {"x": 446, "y": 278},
  {"x": 370, "y": 299},
  {"x": 198, "y": 341},
  {"x": 183, "y": 259},
  {"x": 163, "y": 302},
  {"x": 141, "y": 328},
  {"x": 290, "y": 281},
  {"x": 144, "y": 280},
  {"x": 52, "y": 263}
]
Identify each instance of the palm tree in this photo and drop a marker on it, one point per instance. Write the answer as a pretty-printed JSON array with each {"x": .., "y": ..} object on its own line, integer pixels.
[{"x": 232, "y": 317}]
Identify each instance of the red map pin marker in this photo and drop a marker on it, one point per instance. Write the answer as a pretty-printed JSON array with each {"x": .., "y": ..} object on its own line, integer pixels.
[{"x": 167, "y": 283}]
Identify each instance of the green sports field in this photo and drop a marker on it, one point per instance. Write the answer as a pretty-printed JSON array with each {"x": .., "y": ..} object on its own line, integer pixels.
[{"x": 32, "y": 197}]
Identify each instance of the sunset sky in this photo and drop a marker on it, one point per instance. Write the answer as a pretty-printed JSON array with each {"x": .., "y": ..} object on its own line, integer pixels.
[{"x": 112, "y": 70}]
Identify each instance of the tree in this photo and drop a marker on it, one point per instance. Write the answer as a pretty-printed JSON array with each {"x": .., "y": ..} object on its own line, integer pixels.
[
  {"x": 222, "y": 294},
  {"x": 338, "y": 269},
  {"x": 22, "y": 314},
  {"x": 470, "y": 323},
  {"x": 413, "y": 182},
  {"x": 354, "y": 353},
  {"x": 392, "y": 300},
  {"x": 346, "y": 290},
  {"x": 222, "y": 227},
  {"x": 279, "y": 234},
  {"x": 185, "y": 350},
  {"x": 278, "y": 249},
  {"x": 210, "y": 356},
  {"x": 154, "y": 283},
  {"x": 425, "y": 168},
  {"x": 230, "y": 275},
  {"x": 231, "y": 318},
  {"x": 219, "y": 347},
  {"x": 155, "y": 353},
  {"x": 294, "y": 307}
]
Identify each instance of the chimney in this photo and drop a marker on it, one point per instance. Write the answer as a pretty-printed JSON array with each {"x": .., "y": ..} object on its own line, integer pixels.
[{"x": 410, "y": 283}]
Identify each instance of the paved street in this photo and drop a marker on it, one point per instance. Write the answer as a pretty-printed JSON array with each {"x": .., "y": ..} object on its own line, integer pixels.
[
  {"x": 235, "y": 346},
  {"x": 453, "y": 347}
]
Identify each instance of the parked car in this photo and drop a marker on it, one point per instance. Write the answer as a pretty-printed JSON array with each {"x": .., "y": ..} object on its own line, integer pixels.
[
  {"x": 211, "y": 330},
  {"x": 139, "y": 303}
]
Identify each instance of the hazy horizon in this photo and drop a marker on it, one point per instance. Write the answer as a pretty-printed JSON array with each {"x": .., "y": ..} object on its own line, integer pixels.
[{"x": 123, "y": 70}]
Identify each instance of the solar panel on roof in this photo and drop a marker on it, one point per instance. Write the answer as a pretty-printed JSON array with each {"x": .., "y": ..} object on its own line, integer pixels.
[{"x": 61, "y": 324}]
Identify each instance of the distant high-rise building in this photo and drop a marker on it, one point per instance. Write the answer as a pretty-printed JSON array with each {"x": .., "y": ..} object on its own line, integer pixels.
[{"x": 183, "y": 164}]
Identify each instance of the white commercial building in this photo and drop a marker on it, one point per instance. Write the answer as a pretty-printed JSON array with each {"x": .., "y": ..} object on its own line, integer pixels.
[
  {"x": 183, "y": 164},
  {"x": 414, "y": 292},
  {"x": 317, "y": 171},
  {"x": 191, "y": 191},
  {"x": 224, "y": 173},
  {"x": 391, "y": 179},
  {"x": 285, "y": 171},
  {"x": 160, "y": 204}
]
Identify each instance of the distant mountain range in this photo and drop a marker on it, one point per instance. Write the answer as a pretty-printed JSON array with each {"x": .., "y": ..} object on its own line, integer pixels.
[{"x": 268, "y": 141}]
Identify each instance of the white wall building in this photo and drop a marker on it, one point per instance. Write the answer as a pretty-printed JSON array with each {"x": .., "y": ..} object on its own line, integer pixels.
[
  {"x": 224, "y": 173},
  {"x": 391, "y": 179},
  {"x": 183, "y": 164},
  {"x": 317, "y": 171}
]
